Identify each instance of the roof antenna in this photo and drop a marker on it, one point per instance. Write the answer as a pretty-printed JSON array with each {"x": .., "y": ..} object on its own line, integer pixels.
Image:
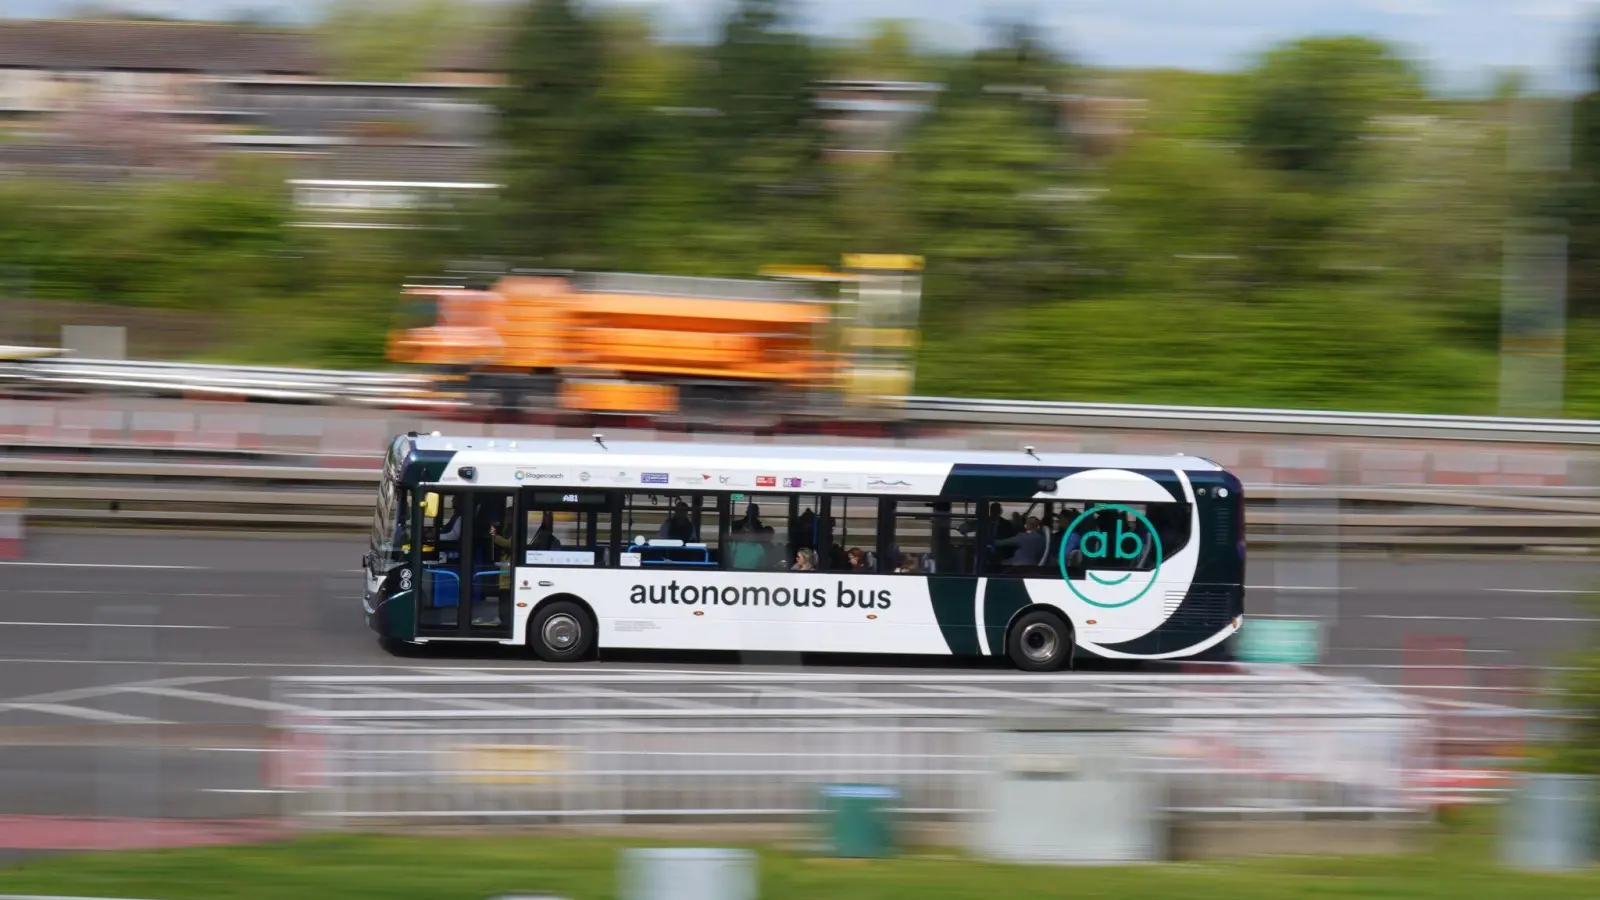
[
  {"x": 1029, "y": 450},
  {"x": 601, "y": 440}
]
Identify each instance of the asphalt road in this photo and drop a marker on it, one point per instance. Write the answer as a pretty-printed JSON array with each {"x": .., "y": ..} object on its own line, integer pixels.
[{"x": 108, "y": 638}]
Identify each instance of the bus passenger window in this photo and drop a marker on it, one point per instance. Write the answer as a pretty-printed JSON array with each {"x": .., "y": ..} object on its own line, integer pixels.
[
  {"x": 679, "y": 531},
  {"x": 854, "y": 536},
  {"x": 927, "y": 538}
]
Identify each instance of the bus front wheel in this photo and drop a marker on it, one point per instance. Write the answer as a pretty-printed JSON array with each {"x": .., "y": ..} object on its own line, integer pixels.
[
  {"x": 562, "y": 631},
  {"x": 1040, "y": 641}
]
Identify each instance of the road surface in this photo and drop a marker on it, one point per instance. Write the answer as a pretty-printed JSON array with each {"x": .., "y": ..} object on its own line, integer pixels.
[{"x": 135, "y": 666}]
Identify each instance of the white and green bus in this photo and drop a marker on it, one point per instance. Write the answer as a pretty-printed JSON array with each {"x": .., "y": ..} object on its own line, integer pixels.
[{"x": 573, "y": 548}]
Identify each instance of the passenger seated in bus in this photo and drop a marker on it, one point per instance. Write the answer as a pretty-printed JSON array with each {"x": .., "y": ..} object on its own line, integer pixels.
[
  {"x": 1028, "y": 547},
  {"x": 678, "y": 526},
  {"x": 910, "y": 564},
  {"x": 855, "y": 559},
  {"x": 747, "y": 552},
  {"x": 805, "y": 560}
]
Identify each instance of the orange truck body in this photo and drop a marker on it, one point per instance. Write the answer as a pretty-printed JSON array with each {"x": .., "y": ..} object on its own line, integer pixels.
[{"x": 624, "y": 345}]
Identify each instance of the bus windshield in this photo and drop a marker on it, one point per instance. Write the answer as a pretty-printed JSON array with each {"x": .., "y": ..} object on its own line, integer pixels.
[{"x": 388, "y": 524}]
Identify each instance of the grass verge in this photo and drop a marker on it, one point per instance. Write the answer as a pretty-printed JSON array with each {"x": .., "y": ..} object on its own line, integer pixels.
[{"x": 1459, "y": 865}]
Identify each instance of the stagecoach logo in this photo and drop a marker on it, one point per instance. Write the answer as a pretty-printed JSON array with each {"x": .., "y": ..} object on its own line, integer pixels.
[
  {"x": 533, "y": 475},
  {"x": 1125, "y": 543}
]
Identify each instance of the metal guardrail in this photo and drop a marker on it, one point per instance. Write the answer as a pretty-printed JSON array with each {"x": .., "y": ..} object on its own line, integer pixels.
[
  {"x": 584, "y": 746},
  {"x": 1256, "y": 421},
  {"x": 404, "y": 390},
  {"x": 382, "y": 389},
  {"x": 175, "y": 493}
]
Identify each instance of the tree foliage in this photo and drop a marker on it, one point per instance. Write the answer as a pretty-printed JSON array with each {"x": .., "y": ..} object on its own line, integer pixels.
[{"x": 1308, "y": 104}]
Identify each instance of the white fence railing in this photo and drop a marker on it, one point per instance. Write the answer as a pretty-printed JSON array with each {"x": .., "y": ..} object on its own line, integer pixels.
[{"x": 584, "y": 746}]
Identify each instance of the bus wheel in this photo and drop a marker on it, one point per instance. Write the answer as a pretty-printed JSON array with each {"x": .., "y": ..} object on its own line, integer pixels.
[
  {"x": 561, "y": 632},
  {"x": 1040, "y": 641}
]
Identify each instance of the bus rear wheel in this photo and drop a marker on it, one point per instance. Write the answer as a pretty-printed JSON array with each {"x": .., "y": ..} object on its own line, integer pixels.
[
  {"x": 1040, "y": 641},
  {"x": 562, "y": 631}
]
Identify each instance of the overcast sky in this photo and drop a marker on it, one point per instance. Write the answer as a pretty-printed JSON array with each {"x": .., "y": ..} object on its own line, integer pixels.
[{"x": 1458, "y": 39}]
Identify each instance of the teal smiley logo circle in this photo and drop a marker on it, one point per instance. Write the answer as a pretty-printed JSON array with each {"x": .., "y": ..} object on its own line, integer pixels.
[{"x": 1109, "y": 546}]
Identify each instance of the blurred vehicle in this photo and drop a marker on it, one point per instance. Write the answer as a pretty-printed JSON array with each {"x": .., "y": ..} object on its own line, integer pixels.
[{"x": 662, "y": 346}]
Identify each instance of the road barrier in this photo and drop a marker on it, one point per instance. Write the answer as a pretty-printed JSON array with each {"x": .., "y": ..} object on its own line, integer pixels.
[
  {"x": 134, "y": 492},
  {"x": 753, "y": 746},
  {"x": 398, "y": 390}
]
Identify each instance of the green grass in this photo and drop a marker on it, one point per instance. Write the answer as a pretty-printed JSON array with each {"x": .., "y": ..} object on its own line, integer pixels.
[
  {"x": 1290, "y": 351},
  {"x": 1459, "y": 866}
]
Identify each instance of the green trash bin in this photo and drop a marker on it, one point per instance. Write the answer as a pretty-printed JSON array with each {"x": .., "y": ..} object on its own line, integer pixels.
[{"x": 859, "y": 822}]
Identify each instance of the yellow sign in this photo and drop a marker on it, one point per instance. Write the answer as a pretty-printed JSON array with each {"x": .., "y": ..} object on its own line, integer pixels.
[
  {"x": 510, "y": 764},
  {"x": 883, "y": 262}
]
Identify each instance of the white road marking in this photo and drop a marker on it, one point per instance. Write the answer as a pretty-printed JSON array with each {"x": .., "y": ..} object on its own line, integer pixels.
[
  {"x": 1294, "y": 587},
  {"x": 1428, "y": 618},
  {"x": 240, "y": 749},
  {"x": 1406, "y": 649},
  {"x": 1541, "y": 619},
  {"x": 84, "y": 565},
  {"x": 247, "y": 791},
  {"x": 137, "y": 593},
  {"x": 106, "y": 690},
  {"x": 113, "y": 625},
  {"x": 1536, "y": 591},
  {"x": 79, "y": 712},
  {"x": 219, "y": 699}
]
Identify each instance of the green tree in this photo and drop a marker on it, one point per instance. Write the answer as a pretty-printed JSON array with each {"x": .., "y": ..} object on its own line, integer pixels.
[
  {"x": 555, "y": 126},
  {"x": 986, "y": 193},
  {"x": 1307, "y": 104}
]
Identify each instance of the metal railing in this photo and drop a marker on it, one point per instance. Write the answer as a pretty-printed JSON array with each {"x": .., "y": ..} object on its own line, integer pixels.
[
  {"x": 664, "y": 746},
  {"x": 140, "y": 491},
  {"x": 402, "y": 390}
]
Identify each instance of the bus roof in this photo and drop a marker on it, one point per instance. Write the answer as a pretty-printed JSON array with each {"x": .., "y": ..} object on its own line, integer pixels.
[{"x": 514, "y": 451}]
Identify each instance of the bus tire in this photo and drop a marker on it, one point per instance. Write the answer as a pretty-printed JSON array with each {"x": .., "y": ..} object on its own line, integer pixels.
[
  {"x": 562, "y": 631},
  {"x": 1040, "y": 641}
]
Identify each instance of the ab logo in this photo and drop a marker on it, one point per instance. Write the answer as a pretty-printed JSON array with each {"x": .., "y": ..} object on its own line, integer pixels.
[
  {"x": 1119, "y": 554},
  {"x": 1094, "y": 544}
]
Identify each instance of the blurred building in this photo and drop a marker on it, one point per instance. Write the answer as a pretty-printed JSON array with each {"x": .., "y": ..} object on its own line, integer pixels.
[
  {"x": 108, "y": 100},
  {"x": 869, "y": 117}
]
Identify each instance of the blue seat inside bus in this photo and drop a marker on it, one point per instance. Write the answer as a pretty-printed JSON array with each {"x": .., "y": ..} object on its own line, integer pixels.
[{"x": 445, "y": 587}]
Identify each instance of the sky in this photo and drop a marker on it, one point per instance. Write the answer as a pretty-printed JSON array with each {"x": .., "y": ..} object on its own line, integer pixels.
[{"x": 1458, "y": 40}]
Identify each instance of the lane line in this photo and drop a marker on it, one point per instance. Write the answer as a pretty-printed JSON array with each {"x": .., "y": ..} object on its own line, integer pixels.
[
  {"x": 83, "y": 712},
  {"x": 247, "y": 791},
  {"x": 86, "y": 565},
  {"x": 239, "y": 749},
  {"x": 106, "y": 592},
  {"x": 1542, "y": 619},
  {"x": 114, "y": 625},
  {"x": 219, "y": 699},
  {"x": 1428, "y": 618},
  {"x": 1536, "y": 591},
  {"x": 1403, "y": 650},
  {"x": 96, "y": 691}
]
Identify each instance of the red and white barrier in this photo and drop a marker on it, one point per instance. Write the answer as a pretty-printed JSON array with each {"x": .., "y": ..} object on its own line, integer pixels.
[
  {"x": 358, "y": 437},
  {"x": 13, "y": 516}
]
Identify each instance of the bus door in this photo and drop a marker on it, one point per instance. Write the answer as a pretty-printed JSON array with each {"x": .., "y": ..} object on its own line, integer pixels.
[{"x": 464, "y": 589}]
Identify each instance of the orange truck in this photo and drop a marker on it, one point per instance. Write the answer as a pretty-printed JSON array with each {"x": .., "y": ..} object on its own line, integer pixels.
[{"x": 674, "y": 346}]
